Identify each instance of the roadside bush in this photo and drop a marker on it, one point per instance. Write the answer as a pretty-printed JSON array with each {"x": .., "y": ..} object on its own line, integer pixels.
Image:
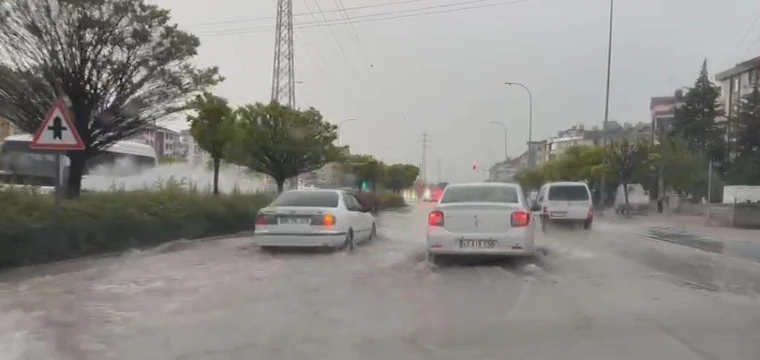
[{"x": 103, "y": 222}]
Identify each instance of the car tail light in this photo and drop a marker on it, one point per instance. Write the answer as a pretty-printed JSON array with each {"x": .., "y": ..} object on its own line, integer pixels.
[
  {"x": 520, "y": 219},
  {"x": 324, "y": 219},
  {"x": 546, "y": 211},
  {"x": 435, "y": 218},
  {"x": 590, "y": 213},
  {"x": 265, "y": 219}
]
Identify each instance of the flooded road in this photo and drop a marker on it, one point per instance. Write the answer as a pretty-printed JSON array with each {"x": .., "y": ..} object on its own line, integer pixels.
[{"x": 603, "y": 294}]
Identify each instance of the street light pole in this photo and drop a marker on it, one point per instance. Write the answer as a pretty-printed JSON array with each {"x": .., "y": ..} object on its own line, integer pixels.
[
  {"x": 607, "y": 100},
  {"x": 530, "y": 120},
  {"x": 505, "y": 137},
  {"x": 340, "y": 126}
]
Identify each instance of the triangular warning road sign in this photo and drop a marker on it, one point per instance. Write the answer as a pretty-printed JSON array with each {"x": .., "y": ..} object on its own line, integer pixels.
[{"x": 58, "y": 131}]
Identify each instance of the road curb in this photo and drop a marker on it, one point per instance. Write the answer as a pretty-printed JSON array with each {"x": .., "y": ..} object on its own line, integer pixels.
[{"x": 222, "y": 237}]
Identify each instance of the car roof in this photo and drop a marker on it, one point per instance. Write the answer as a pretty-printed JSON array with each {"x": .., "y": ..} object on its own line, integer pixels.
[
  {"x": 566, "y": 183},
  {"x": 315, "y": 190},
  {"x": 488, "y": 184}
]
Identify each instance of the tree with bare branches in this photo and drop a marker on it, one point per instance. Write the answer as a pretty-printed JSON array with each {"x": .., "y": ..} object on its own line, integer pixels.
[{"x": 121, "y": 65}]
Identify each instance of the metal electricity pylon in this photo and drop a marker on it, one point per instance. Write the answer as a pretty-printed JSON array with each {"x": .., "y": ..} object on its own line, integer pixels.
[{"x": 283, "y": 72}]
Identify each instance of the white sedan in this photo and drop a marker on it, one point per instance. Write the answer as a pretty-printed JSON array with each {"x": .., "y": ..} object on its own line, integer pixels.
[
  {"x": 480, "y": 219},
  {"x": 314, "y": 218}
]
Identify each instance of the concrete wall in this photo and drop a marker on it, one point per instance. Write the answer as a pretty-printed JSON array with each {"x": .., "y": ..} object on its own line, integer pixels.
[
  {"x": 744, "y": 216},
  {"x": 747, "y": 216}
]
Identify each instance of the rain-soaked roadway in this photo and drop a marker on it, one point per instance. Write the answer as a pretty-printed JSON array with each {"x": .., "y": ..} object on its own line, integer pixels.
[{"x": 606, "y": 294}]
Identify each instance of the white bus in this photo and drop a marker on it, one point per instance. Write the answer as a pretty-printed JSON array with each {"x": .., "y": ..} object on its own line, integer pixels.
[{"x": 21, "y": 165}]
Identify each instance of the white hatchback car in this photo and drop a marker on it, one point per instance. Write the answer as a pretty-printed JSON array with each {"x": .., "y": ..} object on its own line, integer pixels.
[
  {"x": 480, "y": 219},
  {"x": 314, "y": 218},
  {"x": 565, "y": 202}
]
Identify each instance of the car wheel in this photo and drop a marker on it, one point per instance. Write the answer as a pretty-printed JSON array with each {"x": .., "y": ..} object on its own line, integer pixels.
[
  {"x": 434, "y": 259},
  {"x": 587, "y": 225},
  {"x": 373, "y": 232},
  {"x": 544, "y": 223},
  {"x": 349, "y": 244}
]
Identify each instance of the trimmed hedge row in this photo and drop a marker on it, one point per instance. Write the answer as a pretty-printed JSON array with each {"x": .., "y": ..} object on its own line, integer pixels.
[
  {"x": 32, "y": 232},
  {"x": 103, "y": 222}
]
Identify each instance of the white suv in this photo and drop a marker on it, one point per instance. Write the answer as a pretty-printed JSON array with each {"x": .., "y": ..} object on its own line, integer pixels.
[{"x": 568, "y": 202}]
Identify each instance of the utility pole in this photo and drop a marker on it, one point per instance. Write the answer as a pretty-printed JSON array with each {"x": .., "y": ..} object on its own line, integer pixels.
[
  {"x": 283, "y": 73},
  {"x": 439, "y": 170},
  {"x": 425, "y": 142},
  {"x": 607, "y": 101}
]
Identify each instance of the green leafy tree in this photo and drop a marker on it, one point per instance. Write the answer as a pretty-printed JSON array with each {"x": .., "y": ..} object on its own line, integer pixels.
[
  {"x": 213, "y": 128},
  {"x": 283, "y": 142},
  {"x": 531, "y": 178},
  {"x": 121, "y": 65},
  {"x": 683, "y": 170},
  {"x": 695, "y": 120},
  {"x": 624, "y": 157},
  {"x": 578, "y": 163},
  {"x": 367, "y": 170},
  {"x": 401, "y": 176},
  {"x": 747, "y": 123},
  {"x": 745, "y": 168}
]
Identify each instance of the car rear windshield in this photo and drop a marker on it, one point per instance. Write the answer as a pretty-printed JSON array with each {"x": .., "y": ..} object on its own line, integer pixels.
[
  {"x": 307, "y": 199},
  {"x": 496, "y": 194},
  {"x": 568, "y": 193}
]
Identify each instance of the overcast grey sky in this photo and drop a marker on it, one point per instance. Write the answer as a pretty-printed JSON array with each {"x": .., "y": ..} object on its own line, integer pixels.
[{"x": 443, "y": 73}]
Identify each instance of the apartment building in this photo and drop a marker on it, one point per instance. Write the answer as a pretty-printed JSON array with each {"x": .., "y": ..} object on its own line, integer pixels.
[
  {"x": 190, "y": 149},
  {"x": 736, "y": 82},
  {"x": 663, "y": 110},
  {"x": 167, "y": 142}
]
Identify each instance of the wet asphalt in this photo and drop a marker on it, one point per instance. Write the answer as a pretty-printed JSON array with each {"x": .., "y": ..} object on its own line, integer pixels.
[{"x": 623, "y": 290}]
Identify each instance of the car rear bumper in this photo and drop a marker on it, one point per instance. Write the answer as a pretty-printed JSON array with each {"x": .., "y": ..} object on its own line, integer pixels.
[
  {"x": 284, "y": 239},
  {"x": 518, "y": 242}
]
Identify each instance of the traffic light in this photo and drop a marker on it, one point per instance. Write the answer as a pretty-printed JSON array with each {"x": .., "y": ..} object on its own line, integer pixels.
[{"x": 365, "y": 186}]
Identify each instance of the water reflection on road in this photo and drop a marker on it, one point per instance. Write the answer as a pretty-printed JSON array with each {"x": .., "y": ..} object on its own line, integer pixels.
[{"x": 606, "y": 293}]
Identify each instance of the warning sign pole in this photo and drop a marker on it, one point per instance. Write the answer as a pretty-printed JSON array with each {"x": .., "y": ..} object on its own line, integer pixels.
[{"x": 58, "y": 132}]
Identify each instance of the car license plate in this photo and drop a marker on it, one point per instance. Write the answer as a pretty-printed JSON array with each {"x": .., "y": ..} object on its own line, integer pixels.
[
  {"x": 480, "y": 244},
  {"x": 558, "y": 213},
  {"x": 295, "y": 220}
]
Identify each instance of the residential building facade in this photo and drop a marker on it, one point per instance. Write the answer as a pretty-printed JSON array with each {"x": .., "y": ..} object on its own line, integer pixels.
[
  {"x": 167, "y": 142},
  {"x": 737, "y": 82},
  {"x": 663, "y": 110}
]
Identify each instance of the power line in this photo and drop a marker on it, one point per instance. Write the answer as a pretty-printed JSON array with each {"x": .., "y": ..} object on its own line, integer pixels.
[
  {"x": 354, "y": 36},
  {"x": 337, "y": 41},
  {"x": 749, "y": 30},
  {"x": 372, "y": 17},
  {"x": 371, "y": 6}
]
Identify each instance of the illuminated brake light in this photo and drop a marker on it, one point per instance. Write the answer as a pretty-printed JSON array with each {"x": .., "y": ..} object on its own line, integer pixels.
[
  {"x": 435, "y": 218},
  {"x": 590, "y": 213},
  {"x": 520, "y": 219},
  {"x": 324, "y": 220},
  {"x": 263, "y": 219}
]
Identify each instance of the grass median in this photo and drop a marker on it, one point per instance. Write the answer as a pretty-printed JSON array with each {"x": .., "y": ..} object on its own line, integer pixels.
[
  {"x": 31, "y": 231},
  {"x": 102, "y": 222}
]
